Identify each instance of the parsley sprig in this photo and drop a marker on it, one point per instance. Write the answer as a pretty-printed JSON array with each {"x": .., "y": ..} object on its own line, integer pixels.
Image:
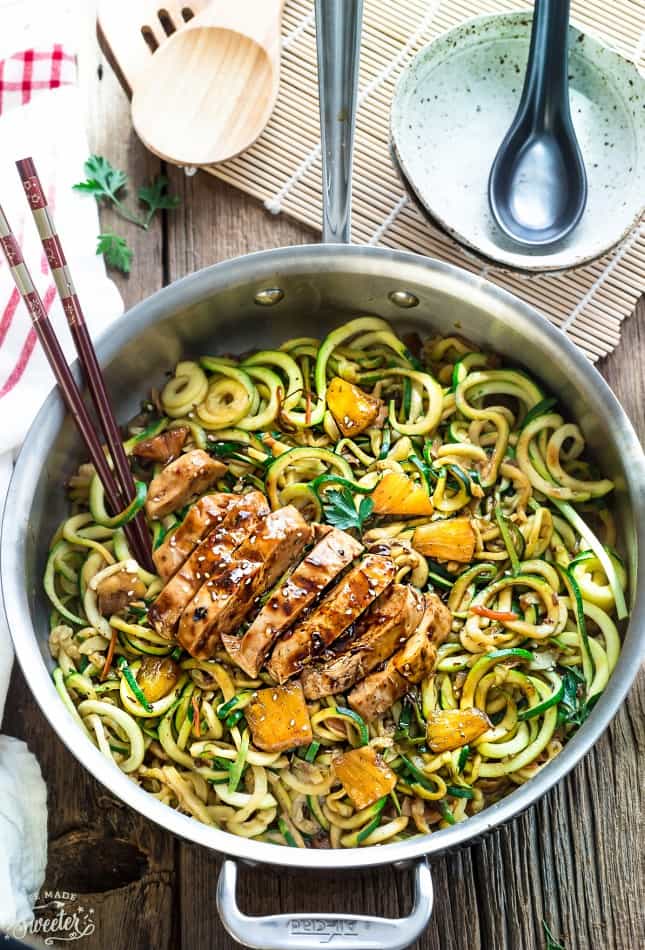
[
  {"x": 341, "y": 511},
  {"x": 573, "y": 709},
  {"x": 108, "y": 185},
  {"x": 116, "y": 252},
  {"x": 104, "y": 182},
  {"x": 156, "y": 197}
]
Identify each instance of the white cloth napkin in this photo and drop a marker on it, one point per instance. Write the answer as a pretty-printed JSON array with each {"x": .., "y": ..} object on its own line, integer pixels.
[
  {"x": 23, "y": 796},
  {"x": 50, "y": 129}
]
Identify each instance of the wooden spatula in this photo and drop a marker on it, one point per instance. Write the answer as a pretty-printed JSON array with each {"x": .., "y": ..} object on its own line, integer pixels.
[
  {"x": 203, "y": 86},
  {"x": 130, "y": 37}
]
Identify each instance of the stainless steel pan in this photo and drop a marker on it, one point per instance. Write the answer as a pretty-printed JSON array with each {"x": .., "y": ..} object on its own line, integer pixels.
[{"x": 259, "y": 300}]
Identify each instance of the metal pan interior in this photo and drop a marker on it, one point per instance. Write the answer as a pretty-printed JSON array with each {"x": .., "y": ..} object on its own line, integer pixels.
[{"x": 215, "y": 310}]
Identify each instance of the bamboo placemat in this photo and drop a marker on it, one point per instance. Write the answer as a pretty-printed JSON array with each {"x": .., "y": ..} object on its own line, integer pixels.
[{"x": 283, "y": 167}]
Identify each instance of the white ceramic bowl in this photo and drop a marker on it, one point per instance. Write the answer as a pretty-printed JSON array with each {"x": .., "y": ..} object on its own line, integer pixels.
[{"x": 453, "y": 105}]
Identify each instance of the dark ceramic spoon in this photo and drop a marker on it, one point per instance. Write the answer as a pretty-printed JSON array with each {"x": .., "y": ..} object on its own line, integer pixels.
[{"x": 538, "y": 186}]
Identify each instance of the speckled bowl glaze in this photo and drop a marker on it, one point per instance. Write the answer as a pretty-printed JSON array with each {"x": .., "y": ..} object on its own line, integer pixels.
[{"x": 453, "y": 105}]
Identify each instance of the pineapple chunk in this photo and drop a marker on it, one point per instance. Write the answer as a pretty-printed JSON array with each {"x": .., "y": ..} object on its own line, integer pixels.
[
  {"x": 278, "y": 718},
  {"x": 449, "y": 540},
  {"x": 353, "y": 409},
  {"x": 364, "y": 776},
  {"x": 157, "y": 676},
  {"x": 450, "y": 729},
  {"x": 396, "y": 494}
]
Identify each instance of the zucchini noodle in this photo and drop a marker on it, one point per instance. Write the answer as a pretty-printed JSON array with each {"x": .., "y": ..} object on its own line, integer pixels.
[{"x": 492, "y": 503}]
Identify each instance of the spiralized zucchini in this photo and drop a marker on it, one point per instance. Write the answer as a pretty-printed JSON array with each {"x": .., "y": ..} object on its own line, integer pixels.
[{"x": 535, "y": 600}]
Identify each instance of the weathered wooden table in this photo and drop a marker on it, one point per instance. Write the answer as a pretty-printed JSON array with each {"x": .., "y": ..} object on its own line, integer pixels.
[{"x": 574, "y": 860}]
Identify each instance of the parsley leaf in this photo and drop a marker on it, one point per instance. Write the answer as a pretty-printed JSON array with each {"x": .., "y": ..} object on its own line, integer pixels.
[
  {"x": 155, "y": 196},
  {"x": 116, "y": 252},
  {"x": 552, "y": 943},
  {"x": 106, "y": 183},
  {"x": 573, "y": 710},
  {"x": 103, "y": 181},
  {"x": 341, "y": 512}
]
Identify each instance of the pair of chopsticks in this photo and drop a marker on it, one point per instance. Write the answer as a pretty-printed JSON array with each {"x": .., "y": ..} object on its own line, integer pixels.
[{"x": 117, "y": 479}]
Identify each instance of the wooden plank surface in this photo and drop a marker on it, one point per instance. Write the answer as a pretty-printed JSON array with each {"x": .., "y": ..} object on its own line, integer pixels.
[{"x": 574, "y": 860}]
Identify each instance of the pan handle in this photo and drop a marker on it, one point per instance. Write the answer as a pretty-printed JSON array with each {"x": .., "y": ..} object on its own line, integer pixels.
[
  {"x": 312, "y": 931},
  {"x": 338, "y": 37}
]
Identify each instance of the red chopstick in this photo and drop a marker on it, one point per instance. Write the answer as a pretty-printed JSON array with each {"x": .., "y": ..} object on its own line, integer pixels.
[
  {"x": 84, "y": 347},
  {"x": 61, "y": 370}
]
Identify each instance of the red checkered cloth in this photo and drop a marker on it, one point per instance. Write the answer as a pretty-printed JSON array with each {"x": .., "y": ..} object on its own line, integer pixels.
[
  {"x": 41, "y": 115},
  {"x": 23, "y": 76},
  {"x": 32, "y": 71}
]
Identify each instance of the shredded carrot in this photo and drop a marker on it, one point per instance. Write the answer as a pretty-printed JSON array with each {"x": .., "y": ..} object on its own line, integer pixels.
[
  {"x": 494, "y": 614},
  {"x": 197, "y": 726},
  {"x": 109, "y": 656},
  {"x": 308, "y": 407}
]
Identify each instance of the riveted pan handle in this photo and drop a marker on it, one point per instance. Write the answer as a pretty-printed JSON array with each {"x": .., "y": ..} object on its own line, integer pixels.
[
  {"x": 312, "y": 931},
  {"x": 338, "y": 35}
]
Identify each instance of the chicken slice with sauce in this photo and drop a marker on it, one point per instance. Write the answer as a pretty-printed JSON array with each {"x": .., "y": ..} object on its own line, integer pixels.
[
  {"x": 222, "y": 603},
  {"x": 333, "y": 552},
  {"x": 380, "y": 631},
  {"x": 380, "y": 690},
  {"x": 189, "y": 475},
  {"x": 177, "y": 546},
  {"x": 163, "y": 447},
  {"x": 336, "y": 612},
  {"x": 210, "y": 558}
]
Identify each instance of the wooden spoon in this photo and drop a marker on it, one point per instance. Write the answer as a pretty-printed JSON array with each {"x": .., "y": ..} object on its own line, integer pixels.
[{"x": 209, "y": 90}]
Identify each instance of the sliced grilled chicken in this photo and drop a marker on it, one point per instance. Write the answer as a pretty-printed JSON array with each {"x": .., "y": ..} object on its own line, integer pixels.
[
  {"x": 320, "y": 530},
  {"x": 380, "y": 631},
  {"x": 380, "y": 690},
  {"x": 176, "y": 484},
  {"x": 163, "y": 447},
  {"x": 222, "y": 603},
  {"x": 202, "y": 517},
  {"x": 118, "y": 590},
  {"x": 334, "y": 552},
  {"x": 210, "y": 558},
  {"x": 335, "y": 613}
]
